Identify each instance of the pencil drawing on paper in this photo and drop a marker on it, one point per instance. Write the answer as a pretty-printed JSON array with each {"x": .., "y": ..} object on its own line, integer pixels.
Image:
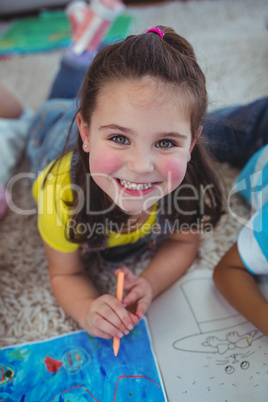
[{"x": 220, "y": 330}]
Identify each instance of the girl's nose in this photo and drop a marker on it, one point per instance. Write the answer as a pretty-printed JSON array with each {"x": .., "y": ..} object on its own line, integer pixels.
[{"x": 141, "y": 161}]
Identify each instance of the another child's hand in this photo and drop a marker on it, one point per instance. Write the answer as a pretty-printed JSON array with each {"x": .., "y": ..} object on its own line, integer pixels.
[
  {"x": 139, "y": 293},
  {"x": 108, "y": 318}
]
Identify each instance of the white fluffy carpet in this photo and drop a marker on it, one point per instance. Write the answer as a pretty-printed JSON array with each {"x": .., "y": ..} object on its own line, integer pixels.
[{"x": 230, "y": 39}]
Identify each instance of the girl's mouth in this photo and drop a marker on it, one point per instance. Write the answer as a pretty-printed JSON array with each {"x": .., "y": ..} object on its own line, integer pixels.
[
  {"x": 136, "y": 186},
  {"x": 136, "y": 189}
]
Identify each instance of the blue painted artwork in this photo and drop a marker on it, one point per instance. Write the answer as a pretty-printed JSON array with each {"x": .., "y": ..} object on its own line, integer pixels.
[{"x": 78, "y": 368}]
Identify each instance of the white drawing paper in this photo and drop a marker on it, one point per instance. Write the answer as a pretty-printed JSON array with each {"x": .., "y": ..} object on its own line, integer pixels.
[{"x": 206, "y": 351}]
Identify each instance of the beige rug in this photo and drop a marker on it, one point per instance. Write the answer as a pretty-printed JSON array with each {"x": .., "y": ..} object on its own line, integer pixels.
[{"x": 230, "y": 39}]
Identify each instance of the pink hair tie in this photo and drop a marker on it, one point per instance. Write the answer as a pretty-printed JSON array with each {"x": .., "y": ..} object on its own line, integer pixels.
[{"x": 156, "y": 30}]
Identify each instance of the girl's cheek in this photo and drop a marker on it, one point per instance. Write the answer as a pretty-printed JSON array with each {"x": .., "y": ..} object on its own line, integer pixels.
[
  {"x": 105, "y": 163},
  {"x": 174, "y": 170}
]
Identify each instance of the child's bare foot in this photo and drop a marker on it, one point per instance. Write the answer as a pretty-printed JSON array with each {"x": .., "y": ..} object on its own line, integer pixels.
[{"x": 10, "y": 107}]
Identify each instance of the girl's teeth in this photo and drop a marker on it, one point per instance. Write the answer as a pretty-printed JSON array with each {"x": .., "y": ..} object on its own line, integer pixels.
[{"x": 134, "y": 186}]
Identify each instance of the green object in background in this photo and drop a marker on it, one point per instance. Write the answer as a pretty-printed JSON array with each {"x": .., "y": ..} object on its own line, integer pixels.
[
  {"x": 119, "y": 29},
  {"x": 51, "y": 29},
  {"x": 48, "y": 31}
]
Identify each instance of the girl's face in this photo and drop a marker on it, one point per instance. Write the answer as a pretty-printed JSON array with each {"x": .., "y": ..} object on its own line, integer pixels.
[{"x": 139, "y": 142}]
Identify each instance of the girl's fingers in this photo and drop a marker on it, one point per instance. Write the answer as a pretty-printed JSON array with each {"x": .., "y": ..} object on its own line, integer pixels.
[
  {"x": 140, "y": 290},
  {"x": 93, "y": 331},
  {"x": 132, "y": 297},
  {"x": 102, "y": 328},
  {"x": 122, "y": 269},
  {"x": 109, "y": 325},
  {"x": 135, "y": 318},
  {"x": 129, "y": 279},
  {"x": 140, "y": 300},
  {"x": 126, "y": 319},
  {"x": 142, "y": 307},
  {"x": 140, "y": 295},
  {"x": 111, "y": 316}
]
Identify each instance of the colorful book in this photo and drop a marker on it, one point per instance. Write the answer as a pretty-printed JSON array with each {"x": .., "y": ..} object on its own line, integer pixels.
[
  {"x": 48, "y": 31},
  {"x": 77, "y": 367}
]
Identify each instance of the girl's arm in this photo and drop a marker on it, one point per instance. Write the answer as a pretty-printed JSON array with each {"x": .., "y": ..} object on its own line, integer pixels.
[
  {"x": 172, "y": 260},
  {"x": 239, "y": 287},
  {"x": 102, "y": 316}
]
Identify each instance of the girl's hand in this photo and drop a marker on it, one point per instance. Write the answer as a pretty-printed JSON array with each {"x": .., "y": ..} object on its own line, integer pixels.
[
  {"x": 139, "y": 293},
  {"x": 108, "y": 318}
]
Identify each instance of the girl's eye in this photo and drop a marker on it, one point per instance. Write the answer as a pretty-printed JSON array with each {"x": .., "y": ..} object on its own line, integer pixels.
[
  {"x": 120, "y": 139},
  {"x": 165, "y": 144}
]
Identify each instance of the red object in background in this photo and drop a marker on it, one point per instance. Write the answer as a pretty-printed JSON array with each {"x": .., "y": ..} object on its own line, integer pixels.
[{"x": 91, "y": 22}]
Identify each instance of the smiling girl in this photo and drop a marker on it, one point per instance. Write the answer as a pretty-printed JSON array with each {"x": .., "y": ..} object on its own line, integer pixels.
[{"x": 138, "y": 176}]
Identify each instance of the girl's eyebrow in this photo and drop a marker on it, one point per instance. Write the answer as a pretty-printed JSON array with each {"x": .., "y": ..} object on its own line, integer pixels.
[
  {"x": 116, "y": 127},
  {"x": 175, "y": 134}
]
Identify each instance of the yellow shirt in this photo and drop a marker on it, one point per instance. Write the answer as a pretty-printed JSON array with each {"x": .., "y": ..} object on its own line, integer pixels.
[
  {"x": 121, "y": 239},
  {"x": 53, "y": 213}
]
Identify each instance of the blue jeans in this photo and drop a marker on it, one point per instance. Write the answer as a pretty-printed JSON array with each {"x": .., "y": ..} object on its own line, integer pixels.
[
  {"x": 68, "y": 80},
  {"x": 232, "y": 134},
  {"x": 49, "y": 131}
]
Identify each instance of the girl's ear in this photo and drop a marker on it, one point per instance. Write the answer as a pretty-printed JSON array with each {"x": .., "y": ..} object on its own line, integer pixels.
[
  {"x": 197, "y": 135},
  {"x": 83, "y": 130}
]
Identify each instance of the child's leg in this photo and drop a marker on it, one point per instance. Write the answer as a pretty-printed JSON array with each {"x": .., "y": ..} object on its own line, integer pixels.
[
  {"x": 68, "y": 80},
  {"x": 49, "y": 131},
  {"x": 74, "y": 64},
  {"x": 71, "y": 73},
  {"x": 14, "y": 122},
  {"x": 87, "y": 42},
  {"x": 234, "y": 134}
]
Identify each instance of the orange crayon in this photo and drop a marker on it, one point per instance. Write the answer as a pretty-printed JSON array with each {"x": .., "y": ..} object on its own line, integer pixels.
[{"x": 119, "y": 295}]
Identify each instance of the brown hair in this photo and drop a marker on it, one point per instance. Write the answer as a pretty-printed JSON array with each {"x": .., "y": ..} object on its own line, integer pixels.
[{"x": 172, "y": 61}]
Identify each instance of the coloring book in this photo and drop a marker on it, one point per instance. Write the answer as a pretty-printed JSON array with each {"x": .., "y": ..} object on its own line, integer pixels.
[
  {"x": 77, "y": 368},
  {"x": 207, "y": 352}
]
